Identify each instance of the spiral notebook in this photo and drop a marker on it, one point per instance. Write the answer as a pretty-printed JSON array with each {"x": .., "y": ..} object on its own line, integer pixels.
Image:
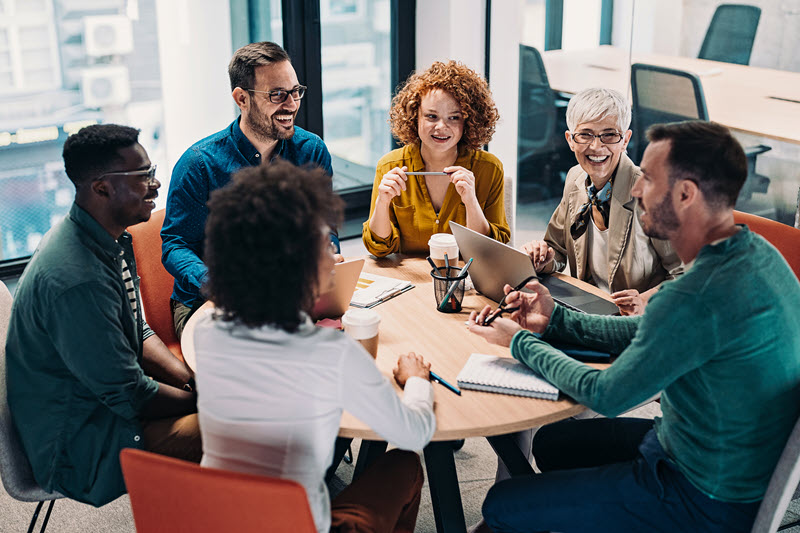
[{"x": 490, "y": 373}]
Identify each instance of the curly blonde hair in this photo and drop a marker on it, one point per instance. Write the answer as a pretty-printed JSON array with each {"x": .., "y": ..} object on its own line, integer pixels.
[{"x": 465, "y": 85}]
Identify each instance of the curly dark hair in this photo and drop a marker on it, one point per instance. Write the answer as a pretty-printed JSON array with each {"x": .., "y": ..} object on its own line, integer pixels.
[
  {"x": 263, "y": 243},
  {"x": 92, "y": 150},
  {"x": 465, "y": 85}
]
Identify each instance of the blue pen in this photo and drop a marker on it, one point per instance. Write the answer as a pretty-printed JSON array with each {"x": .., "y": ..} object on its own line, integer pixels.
[{"x": 438, "y": 379}]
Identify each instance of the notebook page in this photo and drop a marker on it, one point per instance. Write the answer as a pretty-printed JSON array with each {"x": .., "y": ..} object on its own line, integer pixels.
[{"x": 503, "y": 373}]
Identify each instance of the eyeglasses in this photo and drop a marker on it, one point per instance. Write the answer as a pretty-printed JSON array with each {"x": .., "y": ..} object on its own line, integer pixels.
[
  {"x": 605, "y": 138},
  {"x": 147, "y": 175},
  {"x": 279, "y": 96}
]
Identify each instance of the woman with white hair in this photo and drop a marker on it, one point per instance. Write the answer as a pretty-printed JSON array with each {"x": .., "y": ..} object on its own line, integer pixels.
[{"x": 592, "y": 228}]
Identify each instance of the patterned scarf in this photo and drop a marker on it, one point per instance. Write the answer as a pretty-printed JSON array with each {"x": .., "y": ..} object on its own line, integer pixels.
[{"x": 600, "y": 199}]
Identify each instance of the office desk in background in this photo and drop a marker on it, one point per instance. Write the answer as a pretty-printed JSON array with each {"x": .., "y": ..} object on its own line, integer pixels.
[
  {"x": 409, "y": 323},
  {"x": 758, "y": 101}
]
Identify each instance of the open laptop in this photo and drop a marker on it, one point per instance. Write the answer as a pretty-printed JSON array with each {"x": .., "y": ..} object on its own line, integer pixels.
[
  {"x": 334, "y": 303},
  {"x": 496, "y": 264}
]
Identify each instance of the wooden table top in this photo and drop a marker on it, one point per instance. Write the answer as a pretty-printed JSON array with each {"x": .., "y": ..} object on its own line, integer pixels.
[
  {"x": 758, "y": 101},
  {"x": 411, "y": 323}
]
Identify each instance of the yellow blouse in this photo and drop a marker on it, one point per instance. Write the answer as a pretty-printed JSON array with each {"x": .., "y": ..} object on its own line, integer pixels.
[{"x": 412, "y": 215}]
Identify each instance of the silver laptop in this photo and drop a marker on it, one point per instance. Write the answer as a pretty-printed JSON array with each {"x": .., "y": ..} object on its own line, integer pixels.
[
  {"x": 496, "y": 264},
  {"x": 334, "y": 303}
]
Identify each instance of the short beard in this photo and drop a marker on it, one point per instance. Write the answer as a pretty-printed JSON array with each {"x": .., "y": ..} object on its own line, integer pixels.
[
  {"x": 663, "y": 219},
  {"x": 264, "y": 128}
]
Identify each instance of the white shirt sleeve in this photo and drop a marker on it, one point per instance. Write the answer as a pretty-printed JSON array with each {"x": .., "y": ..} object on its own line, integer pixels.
[{"x": 409, "y": 423}]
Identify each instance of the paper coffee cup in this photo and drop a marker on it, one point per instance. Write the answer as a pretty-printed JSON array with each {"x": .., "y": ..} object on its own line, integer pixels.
[
  {"x": 362, "y": 325},
  {"x": 443, "y": 243}
]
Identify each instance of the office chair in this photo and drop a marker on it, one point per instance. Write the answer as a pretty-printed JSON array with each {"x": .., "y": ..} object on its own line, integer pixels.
[
  {"x": 542, "y": 152},
  {"x": 782, "y": 236},
  {"x": 14, "y": 466},
  {"x": 782, "y": 488},
  {"x": 181, "y": 497},
  {"x": 730, "y": 34},
  {"x": 663, "y": 95},
  {"x": 155, "y": 283}
]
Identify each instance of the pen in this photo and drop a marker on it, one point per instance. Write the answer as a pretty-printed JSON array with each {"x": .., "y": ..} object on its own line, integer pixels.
[
  {"x": 438, "y": 379},
  {"x": 454, "y": 285},
  {"x": 427, "y": 174},
  {"x": 436, "y": 268},
  {"x": 446, "y": 266}
]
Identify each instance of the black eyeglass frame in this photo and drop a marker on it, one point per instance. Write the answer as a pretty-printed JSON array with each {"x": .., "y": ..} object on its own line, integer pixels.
[
  {"x": 149, "y": 173},
  {"x": 598, "y": 136},
  {"x": 277, "y": 93}
]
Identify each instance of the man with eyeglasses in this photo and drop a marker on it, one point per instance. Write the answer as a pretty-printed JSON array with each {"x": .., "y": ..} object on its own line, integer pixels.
[
  {"x": 592, "y": 228},
  {"x": 86, "y": 375},
  {"x": 264, "y": 86}
]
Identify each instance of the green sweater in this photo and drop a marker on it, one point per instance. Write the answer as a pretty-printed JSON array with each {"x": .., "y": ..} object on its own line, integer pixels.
[{"x": 722, "y": 345}]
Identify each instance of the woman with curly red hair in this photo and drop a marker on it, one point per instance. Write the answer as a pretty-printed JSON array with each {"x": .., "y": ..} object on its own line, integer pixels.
[{"x": 443, "y": 117}]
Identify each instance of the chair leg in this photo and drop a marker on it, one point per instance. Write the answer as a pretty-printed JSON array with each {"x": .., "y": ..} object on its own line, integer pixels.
[
  {"x": 47, "y": 515},
  {"x": 35, "y": 517}
]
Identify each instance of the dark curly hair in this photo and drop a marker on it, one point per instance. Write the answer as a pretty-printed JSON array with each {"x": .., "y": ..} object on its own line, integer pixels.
[
  {"x": 93, "y": 149},
  {"x": 263, "y": 243},
  {"x": 465, "y": 85}
]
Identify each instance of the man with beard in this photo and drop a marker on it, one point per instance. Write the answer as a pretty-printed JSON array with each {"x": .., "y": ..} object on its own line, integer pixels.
[
  {"x": 86, "y": 375},
  {"x": 720, "y": 344},
  {"x": 266, "y": 89}
]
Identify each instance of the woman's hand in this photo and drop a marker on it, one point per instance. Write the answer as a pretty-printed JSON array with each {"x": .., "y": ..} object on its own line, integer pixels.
[
  {"x": 499, "y": 332},
  {"x": 630, "y": 301},
  {"x": 392, "y": 184},
  {"x": 464, "y": 181},
  {"x": 411, "y": 365},
  {"x": 540, "y": 253}
]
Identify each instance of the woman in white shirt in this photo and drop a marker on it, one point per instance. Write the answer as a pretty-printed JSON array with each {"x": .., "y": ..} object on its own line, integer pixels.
[{"x": 272, "y": 386}]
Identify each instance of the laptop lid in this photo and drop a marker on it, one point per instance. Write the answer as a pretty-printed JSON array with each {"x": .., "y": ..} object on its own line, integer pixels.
[
  {"x": 496, "y": 264},
  {"x": 334, "y": 303}
]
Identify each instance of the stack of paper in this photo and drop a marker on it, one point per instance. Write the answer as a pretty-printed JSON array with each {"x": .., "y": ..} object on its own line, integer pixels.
[{"x": 372, "y": 289}]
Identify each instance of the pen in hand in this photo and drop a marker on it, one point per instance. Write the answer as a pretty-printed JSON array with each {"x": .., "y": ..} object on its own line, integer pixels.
[{"x": 436, "y": 378}]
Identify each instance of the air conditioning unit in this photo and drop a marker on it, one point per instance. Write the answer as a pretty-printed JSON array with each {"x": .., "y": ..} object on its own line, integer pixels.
[
  {"x": 105, "y": 86},
  {"x": 107, "y": 35}
]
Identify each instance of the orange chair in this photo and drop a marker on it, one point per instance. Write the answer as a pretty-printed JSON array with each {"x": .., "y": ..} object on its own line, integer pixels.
[
  {"x": 783, "y": 237},
  {"x": 173, "y": 496},
  {"x": 156, "y": 283}
]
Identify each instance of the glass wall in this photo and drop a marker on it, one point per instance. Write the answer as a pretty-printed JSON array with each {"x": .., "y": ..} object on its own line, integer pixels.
[
  {"x": 356, "y": 89},
  {"x": 759, "y": 101},
  {"x": 65, "y": 64}
]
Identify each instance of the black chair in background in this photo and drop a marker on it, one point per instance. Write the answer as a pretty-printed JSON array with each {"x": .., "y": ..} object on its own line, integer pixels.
[
  {"x": 542, "y": 152},
  {"x": 730, "y": 34},
  {"x": 662, "y": 95}
]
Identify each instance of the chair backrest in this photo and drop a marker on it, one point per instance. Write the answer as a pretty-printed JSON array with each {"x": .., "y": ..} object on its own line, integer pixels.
[
  {"x": 662, "y": 95},
  {"x": 177, "y": 496},
  {"x": 782, "y": 236},
  {"x": 537, "y": 106},
  {"x": 782, "y": 486},
  {"x": 15, "y": 469},
  {"x": 156, "y": 283},
  {"x": 731, "y": 33}
]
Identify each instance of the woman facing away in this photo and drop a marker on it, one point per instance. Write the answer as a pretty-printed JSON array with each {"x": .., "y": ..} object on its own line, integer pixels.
[
  {"x": 443, "y": 117},
  {"x": 273, "y": 385}
]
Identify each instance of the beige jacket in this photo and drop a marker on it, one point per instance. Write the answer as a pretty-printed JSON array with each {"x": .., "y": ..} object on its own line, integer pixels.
[{"x": 635, "y": 260}]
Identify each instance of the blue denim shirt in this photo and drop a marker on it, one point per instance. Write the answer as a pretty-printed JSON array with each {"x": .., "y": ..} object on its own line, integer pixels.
[{"x": 205, "y": 167}]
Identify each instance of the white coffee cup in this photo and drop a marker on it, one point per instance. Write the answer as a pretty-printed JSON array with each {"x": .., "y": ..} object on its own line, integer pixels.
[
  {"x": 362, "y": 325},
  {"x": 443, "y": 243}
]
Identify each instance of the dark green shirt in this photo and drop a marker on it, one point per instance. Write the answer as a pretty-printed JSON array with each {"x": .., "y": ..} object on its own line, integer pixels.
[
  {"x": 75, "y": 382},
  {"x": 723, "y": 344}
]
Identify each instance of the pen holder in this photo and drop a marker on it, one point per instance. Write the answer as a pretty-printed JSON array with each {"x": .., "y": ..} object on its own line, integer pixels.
[{"x": 448, "y": 287}]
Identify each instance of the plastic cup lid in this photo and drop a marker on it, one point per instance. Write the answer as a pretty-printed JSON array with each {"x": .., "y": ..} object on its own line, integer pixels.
[
  {"x": 360, "y": 317},
  {"x": 443, "y": 240}
]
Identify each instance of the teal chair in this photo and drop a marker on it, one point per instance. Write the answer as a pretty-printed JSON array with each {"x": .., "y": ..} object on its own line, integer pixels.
[
  {"x": 663, "y": 95},
  {"x": 730, "y": 35}
]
